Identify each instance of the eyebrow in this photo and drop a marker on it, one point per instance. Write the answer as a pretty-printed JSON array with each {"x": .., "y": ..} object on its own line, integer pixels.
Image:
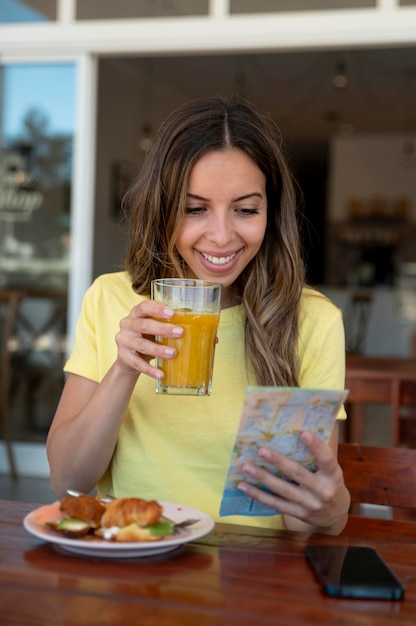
[{"x": 255, "y": 194}]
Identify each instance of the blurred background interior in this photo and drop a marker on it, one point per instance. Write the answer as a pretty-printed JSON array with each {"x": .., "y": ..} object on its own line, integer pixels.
[{"x": 83, "y": 86}]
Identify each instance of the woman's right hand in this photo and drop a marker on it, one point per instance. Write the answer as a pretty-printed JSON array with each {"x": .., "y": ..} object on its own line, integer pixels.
[
  {"x": 84, "y": 432},
  {"x": 136, "y": 338}
]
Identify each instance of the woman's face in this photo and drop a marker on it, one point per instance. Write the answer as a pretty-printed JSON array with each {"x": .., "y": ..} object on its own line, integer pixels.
[{"x": 225, "y": 218}]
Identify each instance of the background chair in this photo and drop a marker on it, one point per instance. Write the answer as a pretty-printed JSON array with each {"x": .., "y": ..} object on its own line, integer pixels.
[
  {"x": 381, "y": 380},
  {"x": 37, "y": 375},
  {"x": 407, "y": 425},
  {"x": 382, "y": 476},
  {"x": 32, "y": 353},
  {"x": 9, "y": 302}
]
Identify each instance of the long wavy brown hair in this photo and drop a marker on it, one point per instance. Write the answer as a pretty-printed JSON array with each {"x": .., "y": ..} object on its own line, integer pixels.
[{"x": 270, "y": 286}]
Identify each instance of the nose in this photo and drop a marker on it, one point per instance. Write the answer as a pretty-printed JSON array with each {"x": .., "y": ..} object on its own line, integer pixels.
[{"x": 220, "y": 229}]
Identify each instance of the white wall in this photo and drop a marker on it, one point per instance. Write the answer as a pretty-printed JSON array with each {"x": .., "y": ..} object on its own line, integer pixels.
[
  {"x": 126, "y": 101},
  {"x": 390, "y": 327},
  {"x": 118, "y": 121},
  {"x": 368, "y": 166}
]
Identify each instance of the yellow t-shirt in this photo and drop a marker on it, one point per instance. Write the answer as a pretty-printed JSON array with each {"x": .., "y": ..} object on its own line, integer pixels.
[{"x": 178, "y": 448}]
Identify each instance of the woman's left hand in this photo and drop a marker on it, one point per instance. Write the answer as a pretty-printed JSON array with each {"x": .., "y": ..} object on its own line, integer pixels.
[{"x": 318, "y": 502}]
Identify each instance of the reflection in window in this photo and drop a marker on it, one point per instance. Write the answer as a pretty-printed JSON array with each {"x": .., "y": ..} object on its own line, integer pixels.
[
  {"x": 124, "y": 9},
  {"x": 35, "y": 173},
  {"x": 12, "y": 11}
]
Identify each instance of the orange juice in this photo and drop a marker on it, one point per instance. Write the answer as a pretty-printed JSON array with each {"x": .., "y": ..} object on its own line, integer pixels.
[{"x": 192, "y": 366}]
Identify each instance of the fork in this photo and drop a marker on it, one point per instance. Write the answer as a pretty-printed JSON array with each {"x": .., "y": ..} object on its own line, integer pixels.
[{"x": 177, "y": 527}]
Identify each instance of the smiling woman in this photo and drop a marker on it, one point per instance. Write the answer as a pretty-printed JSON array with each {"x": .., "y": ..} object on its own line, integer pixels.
[{"x": 215, "y": 200}]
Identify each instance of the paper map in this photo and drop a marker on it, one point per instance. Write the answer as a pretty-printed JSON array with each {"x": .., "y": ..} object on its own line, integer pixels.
[{"x": 275, "y": 417}]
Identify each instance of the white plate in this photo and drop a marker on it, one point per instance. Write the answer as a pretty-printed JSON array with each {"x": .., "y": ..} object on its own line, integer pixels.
[{"x": 36, "y": 524}]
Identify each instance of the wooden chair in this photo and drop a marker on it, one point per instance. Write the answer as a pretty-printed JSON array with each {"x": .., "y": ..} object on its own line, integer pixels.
[
  {"x": 407, "y": 424},
  {"x": 380, "y": 380},
  {"x": 10, "y": 300},
  {"x": 40, "y": 351},
  {"x": 382, "y": 476}
]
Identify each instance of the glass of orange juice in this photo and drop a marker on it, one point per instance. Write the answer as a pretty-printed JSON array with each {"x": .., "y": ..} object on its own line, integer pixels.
[{"x": 197, "y": 309}]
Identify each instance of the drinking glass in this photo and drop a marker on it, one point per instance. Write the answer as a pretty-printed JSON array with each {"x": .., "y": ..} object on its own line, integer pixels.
[{"x": 197, "y": 309}]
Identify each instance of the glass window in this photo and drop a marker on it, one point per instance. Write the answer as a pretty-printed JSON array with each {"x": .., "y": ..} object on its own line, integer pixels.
[
  {"x": 36, "y": 143},
  {"x": 273, "y": 6},
  {"x": 97, "y": 9},
  {"x": 12, "y": 11}
]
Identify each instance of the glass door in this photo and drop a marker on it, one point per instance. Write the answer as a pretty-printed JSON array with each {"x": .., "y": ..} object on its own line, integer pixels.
[{"x": 37, "y": 124}]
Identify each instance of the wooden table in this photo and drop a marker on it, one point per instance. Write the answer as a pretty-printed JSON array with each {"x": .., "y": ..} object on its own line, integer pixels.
[
  {"x": 234, "y": 576},
  {"x": 378, "y": 380}
]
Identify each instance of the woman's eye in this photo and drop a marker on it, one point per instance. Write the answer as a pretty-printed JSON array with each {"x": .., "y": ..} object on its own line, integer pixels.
[
  {"x": 244, "y": 211},
  {"x": 194, "y": 210}
]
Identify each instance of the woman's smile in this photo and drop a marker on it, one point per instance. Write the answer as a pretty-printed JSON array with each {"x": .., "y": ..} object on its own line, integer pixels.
[{"x": 221, "y": 262}]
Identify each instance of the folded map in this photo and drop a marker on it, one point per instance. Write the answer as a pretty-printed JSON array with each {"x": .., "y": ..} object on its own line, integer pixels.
[{"x": 275, "y": 417}]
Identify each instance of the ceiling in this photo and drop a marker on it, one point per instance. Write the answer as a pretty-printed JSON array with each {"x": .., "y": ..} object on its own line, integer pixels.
[
  {"x": 376, "y": 90},
  {"x": 379, "y": 94}
]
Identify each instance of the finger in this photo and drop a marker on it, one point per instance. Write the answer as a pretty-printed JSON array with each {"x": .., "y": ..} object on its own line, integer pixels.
[
  {"x": 291, "y": 469},
  {"x": 310, "y": 489},
  {"x": 144, "y": 346},
  {"x": 138, "y": 352},
  {"x": 151, "y": 308},
  {"x": 326, "y": 460},
  {"x": 148, "y": 349},
  {"x": 149, "y": 327},
  {"x": 282, "y": 487},
  {"x": 275, "y": 501},
  {"x": 142, "y": 365}
]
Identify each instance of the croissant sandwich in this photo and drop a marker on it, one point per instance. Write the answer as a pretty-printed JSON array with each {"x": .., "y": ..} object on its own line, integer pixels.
[
  {"x": 84, "y": 508},
  {"x": 134, "y": 518},
  {"x": 123, "y": 519}
]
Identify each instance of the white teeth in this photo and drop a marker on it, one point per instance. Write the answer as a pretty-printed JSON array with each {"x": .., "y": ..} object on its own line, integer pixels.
[{"x": 218, "y": 260}]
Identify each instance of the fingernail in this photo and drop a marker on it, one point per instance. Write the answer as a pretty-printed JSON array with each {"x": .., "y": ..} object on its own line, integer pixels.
[
  {"x": 264, "y": 453},
  {"x": 242, "y": 487},
  {"x": 307, "y": 436},
  {"x": 170, "y": 351},
  {"x": 248, "y": 468},
  {"x": 169, "y": 312},
  {"x": 177, "y": 330}
]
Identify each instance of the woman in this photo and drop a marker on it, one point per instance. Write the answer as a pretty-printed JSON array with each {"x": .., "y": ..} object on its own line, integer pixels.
[{"x": 215, "y": 200}]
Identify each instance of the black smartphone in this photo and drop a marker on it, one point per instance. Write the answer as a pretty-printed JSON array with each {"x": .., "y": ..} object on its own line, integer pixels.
[{"x": 353, "y": 572}]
